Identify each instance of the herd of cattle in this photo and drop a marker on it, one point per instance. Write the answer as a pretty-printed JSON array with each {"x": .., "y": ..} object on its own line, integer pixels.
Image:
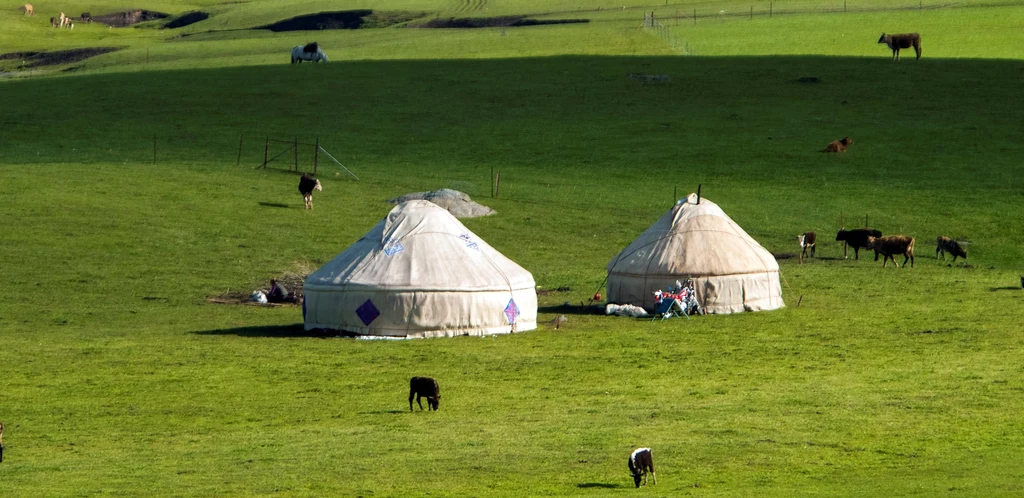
[{"x": 889, "y": 246}]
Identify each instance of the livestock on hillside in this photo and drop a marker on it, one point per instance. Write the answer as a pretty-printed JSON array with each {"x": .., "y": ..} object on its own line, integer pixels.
[
  {"x": 838, "y": 145},
  {"x": 424, "y": 387},
  {"x": 53, "y": 22},
  {"x": 901, "y": 41},
  {"x": 945, "y": 244},
  {"x": 856, "y": 238},
  {"x": 299, "y": 53},
  {"x": 87, "y": 17},
  {"x": 28, "y": 9},
  {"x": 307, "y": 184},
  {"x": 807, "y": 240},
  {"x": 891, "y": 245},
  {"x": 640, "y": 464}
]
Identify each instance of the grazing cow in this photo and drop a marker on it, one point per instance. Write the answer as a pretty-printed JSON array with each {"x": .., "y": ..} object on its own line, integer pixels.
[
  {"x": 838, "y": 145},
  {"x": 946, "y": 244},
  {"x": 53, "y": 22},
  {"x": 892, "y": 245},
  {"x": 857, "y": 238},
  {"x": 424, "y": 387},
  {"x": 29, "y": 10},
  {"x": 307, "y": 184},
  {"x": 87, "y": 17},
  {"x": 897, "y": 42},
  {"x": 640, "y": 463},
  {"x": 807, "y": 240}
]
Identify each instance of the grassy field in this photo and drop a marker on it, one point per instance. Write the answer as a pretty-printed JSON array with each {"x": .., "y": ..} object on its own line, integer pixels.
[{"x": 118, "y": 377}]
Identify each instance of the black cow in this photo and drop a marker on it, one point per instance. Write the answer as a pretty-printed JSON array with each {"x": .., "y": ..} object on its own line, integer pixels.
[
  {"x": 857, "y": 238},
  {"x": 640, "y": 463},
  {"x": 424, "y": 387},
  {"x": 307, "y": 184}
]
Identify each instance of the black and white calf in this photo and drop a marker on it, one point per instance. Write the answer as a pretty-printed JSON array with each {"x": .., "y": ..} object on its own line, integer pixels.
[
  {"x": 640, "y": 463},
  {"x": 307, "y": 184},
  {"x": 424, "y": 387}
]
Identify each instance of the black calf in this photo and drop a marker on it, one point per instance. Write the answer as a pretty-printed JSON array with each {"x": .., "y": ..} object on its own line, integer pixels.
[
  {"x": 425, "y": 387},
  {"x": 640, "y": 463}
]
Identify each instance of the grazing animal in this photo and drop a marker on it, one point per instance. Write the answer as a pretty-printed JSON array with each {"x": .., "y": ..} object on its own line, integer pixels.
[
  {"x": 307, "y": 184},
  {"x": 897, "y": 42},
  {"x": 807, "y": 240},
  {"x": 946, "y": 244},
  {"x": 857, "y": 238},
  {"x": 300, "y": 54},
  {"x": 891, "y": 245},
  {"x": 29, "y": 10},
  {"x": 87, "y": 17},
  {"x": 838, "y": 145},
  {"x": 640, "y": 463},
  {"x": 53, "y": 22},
  {"x": 424, "y": 387},
  {"x": 63, "y": 20}
]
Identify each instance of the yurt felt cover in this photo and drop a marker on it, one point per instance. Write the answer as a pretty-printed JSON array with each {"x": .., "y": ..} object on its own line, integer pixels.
[
  {"x": 420, "y": 273},
  {"x": 731, "y": 272}
]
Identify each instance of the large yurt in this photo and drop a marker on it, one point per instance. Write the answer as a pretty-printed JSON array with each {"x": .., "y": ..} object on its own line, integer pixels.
[
  {"x": 420, "y": 273},
  {"x": 696, "y": 240}
]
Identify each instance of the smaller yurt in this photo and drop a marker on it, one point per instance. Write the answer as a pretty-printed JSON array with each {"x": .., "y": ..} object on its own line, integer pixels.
[
  {"x": 420, "y": 273},
  {"x": 696, "y": 240}
]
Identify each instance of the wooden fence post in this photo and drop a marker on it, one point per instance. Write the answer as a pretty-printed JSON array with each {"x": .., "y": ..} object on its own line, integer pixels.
[
  {"x": 239, "y": 161},
  {"x": 266, "y": 152},
  {"x": 497, "y": 185}
]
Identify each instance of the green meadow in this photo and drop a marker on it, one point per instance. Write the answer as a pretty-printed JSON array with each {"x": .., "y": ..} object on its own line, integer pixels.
[{"x": 131, "y": 193}]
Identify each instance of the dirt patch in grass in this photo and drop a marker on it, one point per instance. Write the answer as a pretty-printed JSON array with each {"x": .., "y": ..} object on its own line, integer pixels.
[
  {"x": 291, "y": 280},
  {"x": 493, "y": 22},
  {"x": 186, "y": 19},
  {"x": 129, "y": 17},
  {"x": 345, "y": 19},
  {"x": 37, "y": 59}
]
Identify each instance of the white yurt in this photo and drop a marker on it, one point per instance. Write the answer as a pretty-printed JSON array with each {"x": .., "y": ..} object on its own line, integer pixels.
[
  {"x": 696, "y": 240},
  {"x": 420, "y": 273}
]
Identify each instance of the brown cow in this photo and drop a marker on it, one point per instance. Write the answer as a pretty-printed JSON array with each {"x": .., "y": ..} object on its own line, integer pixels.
[
  {"x": 897, "y": 42},
  {"x": 838, "y": 145},
  {"x": 891, "y": 245},
  {"x": 946, "y": 244},
  {"x": 807, "y": 240}
]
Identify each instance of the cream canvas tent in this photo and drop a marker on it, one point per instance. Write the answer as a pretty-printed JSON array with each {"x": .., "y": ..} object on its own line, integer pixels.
[
  {"x": 731, "y": 272},
  {"x": 420, "y": 273}
]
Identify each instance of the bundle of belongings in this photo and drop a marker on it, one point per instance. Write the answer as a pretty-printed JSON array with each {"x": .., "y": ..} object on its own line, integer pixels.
[{"x": 678, "y": 300}]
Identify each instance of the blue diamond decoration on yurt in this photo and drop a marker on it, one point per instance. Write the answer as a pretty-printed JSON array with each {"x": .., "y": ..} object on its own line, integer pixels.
[
  {"x": 367, "y": 312},
  {"x": 469, "y": 241},
  {"x": 511, "y": 311},
  {"x": 393, "y": 248}
]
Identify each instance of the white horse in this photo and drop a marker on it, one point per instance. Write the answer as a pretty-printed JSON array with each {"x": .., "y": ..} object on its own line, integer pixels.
[{"x": 299, "y": 55}]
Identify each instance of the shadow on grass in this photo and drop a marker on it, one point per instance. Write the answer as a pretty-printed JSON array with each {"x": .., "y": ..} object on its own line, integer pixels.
[
  {"x": 602, "y": 485},
  {"x": 273, "y": 204},
  {"x": 572, "y": 309},
  {"x": 385, "y": 412},
  {"x": 296, "y": 330},
  {"x": 1009, "y": 288}
]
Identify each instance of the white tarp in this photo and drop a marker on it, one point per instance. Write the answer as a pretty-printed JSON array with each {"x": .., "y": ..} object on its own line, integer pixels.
[
  {"x": 731, "y": 272},
  {"x": 420, "y": 273}
]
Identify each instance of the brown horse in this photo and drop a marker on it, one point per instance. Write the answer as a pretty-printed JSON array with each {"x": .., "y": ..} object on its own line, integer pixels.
[{"x": 897, "y": 42}]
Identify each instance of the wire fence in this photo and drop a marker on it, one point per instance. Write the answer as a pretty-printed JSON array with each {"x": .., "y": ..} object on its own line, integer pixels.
[{"x": 660, "y": 22}]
